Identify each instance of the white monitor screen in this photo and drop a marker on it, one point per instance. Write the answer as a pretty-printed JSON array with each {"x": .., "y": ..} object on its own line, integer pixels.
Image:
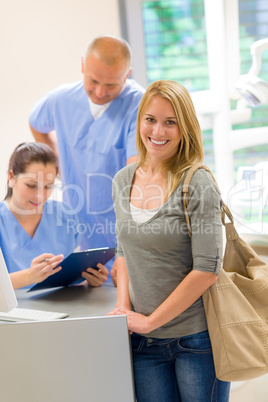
[{"x": 8, "y": 299}]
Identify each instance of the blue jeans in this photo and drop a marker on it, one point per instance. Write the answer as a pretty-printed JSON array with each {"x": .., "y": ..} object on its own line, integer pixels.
[{"x": 176, "y": 370}]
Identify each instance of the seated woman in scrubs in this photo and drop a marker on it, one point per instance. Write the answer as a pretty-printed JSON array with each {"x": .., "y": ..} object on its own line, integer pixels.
[{"x": 35, "y": 232}]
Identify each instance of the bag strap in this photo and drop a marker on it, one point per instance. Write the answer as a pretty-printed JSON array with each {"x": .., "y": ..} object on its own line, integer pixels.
[{"x": 185, "y": 195}]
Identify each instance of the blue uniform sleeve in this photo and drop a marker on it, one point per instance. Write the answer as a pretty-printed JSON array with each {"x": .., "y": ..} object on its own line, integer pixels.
[
  {"x": 61, "y": 217},
  {"x": 131, "y": 141},
  {"x": 72, "y": 225},
  {"x": 42, "y": 114}
]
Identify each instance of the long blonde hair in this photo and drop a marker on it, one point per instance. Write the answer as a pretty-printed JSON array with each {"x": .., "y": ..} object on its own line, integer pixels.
[{"x": 190, "y": 150}]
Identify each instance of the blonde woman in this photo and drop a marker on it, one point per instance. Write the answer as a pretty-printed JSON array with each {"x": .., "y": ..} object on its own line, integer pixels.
[{"x": 161, "y": 275}]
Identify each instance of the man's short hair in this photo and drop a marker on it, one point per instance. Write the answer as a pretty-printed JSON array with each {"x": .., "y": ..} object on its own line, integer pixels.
[{"x": 110, "y": 48}]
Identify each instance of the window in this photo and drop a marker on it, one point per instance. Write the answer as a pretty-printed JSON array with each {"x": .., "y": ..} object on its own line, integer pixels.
[
  {"x": 168, "y": 39},
  {"x": 174, "y": 39},
  {"x": 175, "y": 42},
  {"x": 253, "y": 17}
]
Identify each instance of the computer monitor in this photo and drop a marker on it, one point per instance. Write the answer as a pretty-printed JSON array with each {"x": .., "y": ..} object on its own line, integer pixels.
[
  {"x": 75, "y": 359},
  {"x": 8, "y": 299}
]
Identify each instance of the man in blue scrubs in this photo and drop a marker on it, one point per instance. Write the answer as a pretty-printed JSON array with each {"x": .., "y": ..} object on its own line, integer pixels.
[{"x": 91, "y": 124}]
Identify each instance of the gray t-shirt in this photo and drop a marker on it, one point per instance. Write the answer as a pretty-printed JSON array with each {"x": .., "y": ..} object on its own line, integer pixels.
[{"x": 158, "y": 253}]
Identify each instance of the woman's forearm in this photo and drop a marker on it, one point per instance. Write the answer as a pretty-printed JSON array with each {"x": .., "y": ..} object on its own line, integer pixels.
[
  {"x": 123, "y": 298},
  {"x": 187, "y": 292},
  {"x": 20, "y": 279}
]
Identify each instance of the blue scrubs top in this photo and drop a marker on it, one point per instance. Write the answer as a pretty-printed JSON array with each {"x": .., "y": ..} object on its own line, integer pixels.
[
  {"x": 56, "y": 234},
  {"x": 90, "y": 152}
]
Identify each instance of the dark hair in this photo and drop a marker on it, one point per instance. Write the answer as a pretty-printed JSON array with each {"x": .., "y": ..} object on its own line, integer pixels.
[{"x": 27, "y": 153}]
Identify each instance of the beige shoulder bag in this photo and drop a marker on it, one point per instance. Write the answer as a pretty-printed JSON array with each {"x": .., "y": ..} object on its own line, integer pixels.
[{"x": 236, "y": 306}]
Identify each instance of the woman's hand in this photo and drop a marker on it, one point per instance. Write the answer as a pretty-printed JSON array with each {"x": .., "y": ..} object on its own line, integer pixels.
[
  {"x": 43, "y": 266},
  {"x": 118, "y": 311},
  {"x": 96, "y": 277},
  {"x": 138, "y": 323},
  {"x": 135, "y": 322}
]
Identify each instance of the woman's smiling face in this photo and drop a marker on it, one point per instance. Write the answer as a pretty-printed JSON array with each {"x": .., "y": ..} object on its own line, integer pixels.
[
  {"x": 32, "y": 188},
  {"x": 159, "y": 129}
]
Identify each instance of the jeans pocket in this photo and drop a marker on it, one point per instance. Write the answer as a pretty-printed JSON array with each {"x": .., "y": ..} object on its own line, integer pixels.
[
  {"x": 137, "y": 342},
  {"x": 197, "y": 343}
]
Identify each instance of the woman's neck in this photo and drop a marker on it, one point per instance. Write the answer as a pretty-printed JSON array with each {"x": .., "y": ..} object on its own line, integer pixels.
[
  {"x": 28, "y": 219},
  {"x": 149, "y": 187},
  {"x": 153, "y": 167}
]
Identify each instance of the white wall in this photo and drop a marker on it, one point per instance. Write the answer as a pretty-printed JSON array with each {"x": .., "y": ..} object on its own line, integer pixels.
[{"x": 41, "y": 43}]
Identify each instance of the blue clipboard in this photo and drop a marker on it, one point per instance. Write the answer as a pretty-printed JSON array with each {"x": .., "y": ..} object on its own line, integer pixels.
[{"x": 74, "y": 265}]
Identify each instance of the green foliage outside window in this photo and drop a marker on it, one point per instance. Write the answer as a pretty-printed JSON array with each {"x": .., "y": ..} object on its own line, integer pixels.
[{"x": 175, "y": 42}]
